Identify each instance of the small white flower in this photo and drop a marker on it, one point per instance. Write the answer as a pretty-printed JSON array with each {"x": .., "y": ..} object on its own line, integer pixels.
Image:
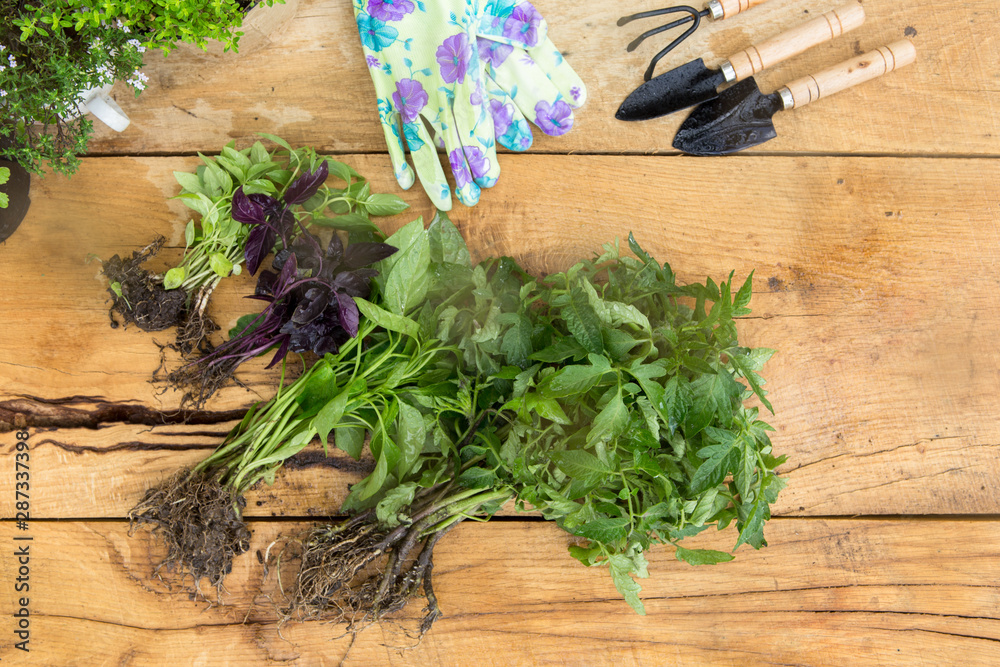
[
  {"x": 3, "y": 93},
  {"x": 12, "y": 61}
]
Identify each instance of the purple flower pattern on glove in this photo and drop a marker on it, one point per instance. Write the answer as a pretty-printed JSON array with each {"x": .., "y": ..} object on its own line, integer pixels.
[
  {"x": 454, "y": 55},
  {"x": 478, "y": 162},
  {"x": 459, "y": 169},
  {"x": 575, "y": 92},
  {"x": 503, "y": 114},
  {"x": 522, "y": 26},
  {"x": 373, "y": 62},
  {"x": 389, "y": 10},
  {"x": 493, "y": 53},
  {"x": 555, "y": 119},
  {"x": 410, "y": 98}
]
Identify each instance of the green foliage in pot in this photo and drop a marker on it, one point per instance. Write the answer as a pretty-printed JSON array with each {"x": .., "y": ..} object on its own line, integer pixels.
[
  {"x": 41, "y": 74},
  {"x": 51, "y": 50}
]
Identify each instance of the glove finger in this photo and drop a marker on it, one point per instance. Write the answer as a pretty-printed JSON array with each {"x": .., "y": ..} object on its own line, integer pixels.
[
  {"x": 397, "y": 154},
  {"x": 563, "y": 77},
  {"x": 533, "y": 93},
  {"x": 465, "y": 186},
  {"x": 512, "y": 129},
  {"x": 428, "y": 164},
  {"x": 474, "y": 125},
  {"x": 520, "y": 25}
]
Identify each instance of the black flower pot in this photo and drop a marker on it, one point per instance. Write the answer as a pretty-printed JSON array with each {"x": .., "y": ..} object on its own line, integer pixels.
[{"x": 16, "y": 189}]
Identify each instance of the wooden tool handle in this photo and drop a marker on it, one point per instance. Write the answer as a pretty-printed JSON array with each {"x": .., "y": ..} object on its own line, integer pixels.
[
  {"x": 834, "y": 23},
  {"x": 724, "y": 9},
  {"x": 849, "y": 73}
]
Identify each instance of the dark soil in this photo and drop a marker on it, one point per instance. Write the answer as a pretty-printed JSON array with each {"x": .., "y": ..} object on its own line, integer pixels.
[
  {"x": 143, "y": 301},
  {"x": 17, "y": 190},
  {"x": 201, "y": 522}
]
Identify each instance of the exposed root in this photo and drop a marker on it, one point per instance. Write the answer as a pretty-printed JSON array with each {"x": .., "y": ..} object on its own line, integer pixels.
[
  {"x": 193, "y": 333},
  {"x": 140, "y": 299},
  {"x": 359, "y": 573},
  {"x": 201, "y": 522}
]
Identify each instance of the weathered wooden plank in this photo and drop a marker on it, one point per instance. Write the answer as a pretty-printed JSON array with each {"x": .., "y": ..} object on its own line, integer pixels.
[
  {"x": 877, "y": 296},
  {"x": 311, "y": 85},
  {"x": 874, "y": 592}
]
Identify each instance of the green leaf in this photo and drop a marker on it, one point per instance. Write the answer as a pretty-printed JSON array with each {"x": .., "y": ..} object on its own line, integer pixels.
[
  {"x": 742, "y": 298},
  {"x": 576, "y": 379},
  {"x": 350, "y": 439},
  {"x": 330, "y": 414},
  {"x": 582, "y": 321},
  {"x": 610, "y": 422},
  {"x": 621, "y": 568},
  {"x": 603, "y": 530},
  {"x": 189, "y": 234},
  {"x": 411, "y": 432},
  {"x": 718, "y": 460},
  {"x": 477, "y": 478},
  {"x": 245, "y": 325},
  {"x": 446, "y": 242},
  {"x": 189, "y": 182},
  {"x": 564, "y": 348},
  {"x": 278, "y": 140},
  {"x": 385, "y": 205},
  {"x": 388, "y": 509},
  {"x": 349, "y": 222},
  {"x": 387, "y": 320},
  {"x": 405, "y": 275},
  {"x": 220, "y": 264},
  {"x": 702, "y": 556},
  {"x": 582, "y": 465},
  {"x": 173, "y": 278}
]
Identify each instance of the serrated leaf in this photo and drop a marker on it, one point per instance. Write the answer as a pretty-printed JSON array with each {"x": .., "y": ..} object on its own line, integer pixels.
[
  {"x": 604, "y": 530},
  {"x": 610, "y": 422},
  {"x": 713, "y": 469},
  {"x": 582, "y": 321},
  {"x": 621, "y": 568},
  {"x": 576, "y": 379},
  {"x": 388, "y": 509},
  {"x": 582, "y": 465}
]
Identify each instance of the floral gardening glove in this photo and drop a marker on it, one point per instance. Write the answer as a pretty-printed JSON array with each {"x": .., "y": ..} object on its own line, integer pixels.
[
  {"x": 423, "y": 60},
  {"x": 525, "y": 74}
]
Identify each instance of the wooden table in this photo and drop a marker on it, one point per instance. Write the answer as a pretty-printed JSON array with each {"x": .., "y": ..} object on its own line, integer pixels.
[{"x": 872, "y": 224}]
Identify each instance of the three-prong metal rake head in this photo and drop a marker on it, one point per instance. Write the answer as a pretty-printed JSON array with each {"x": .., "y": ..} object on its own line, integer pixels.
[{"x": 716, "y": 10}]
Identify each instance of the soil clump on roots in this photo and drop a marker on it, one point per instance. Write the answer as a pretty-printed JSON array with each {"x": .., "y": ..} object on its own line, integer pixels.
[
  {"x": 142, "y": 300},
  {"x": 201, "y": 522}
]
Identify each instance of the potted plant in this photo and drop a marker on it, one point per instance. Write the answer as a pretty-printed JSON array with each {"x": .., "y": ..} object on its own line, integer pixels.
[{"x": 59, "y": 58}]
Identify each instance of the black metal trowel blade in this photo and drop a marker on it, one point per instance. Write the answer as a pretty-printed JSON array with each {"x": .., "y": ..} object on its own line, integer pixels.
[
  {"x": 740, "y": 117},
  {"x": 680, "y": 88}
]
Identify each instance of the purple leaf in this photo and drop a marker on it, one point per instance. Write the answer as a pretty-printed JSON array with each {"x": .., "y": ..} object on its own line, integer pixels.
[
  {"x": 312, "y": 305},
  {"x": 363, "y": 254},
  {"x": 355, "y": 283},
  {"x": 306, "y": 185},
  {"x": 349, "y": 315},
  {"x": 334, "y": 251},
  {"x": 259, "y": 243},
  {"x": 280, "y": 354},
  {"x": 246, "y": 210}
]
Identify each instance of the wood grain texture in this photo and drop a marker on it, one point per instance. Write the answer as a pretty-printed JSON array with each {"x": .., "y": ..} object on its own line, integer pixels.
[
  {"x": 875, "y": 290},
  {"x": 311, "y": 86},
  {"x": 874, "y": 592}
]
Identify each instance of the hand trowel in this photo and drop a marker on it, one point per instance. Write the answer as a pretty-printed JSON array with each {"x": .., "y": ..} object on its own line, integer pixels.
[
  {"x": 695, "y": 83},
  {"x": 740, "y": 117}
]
